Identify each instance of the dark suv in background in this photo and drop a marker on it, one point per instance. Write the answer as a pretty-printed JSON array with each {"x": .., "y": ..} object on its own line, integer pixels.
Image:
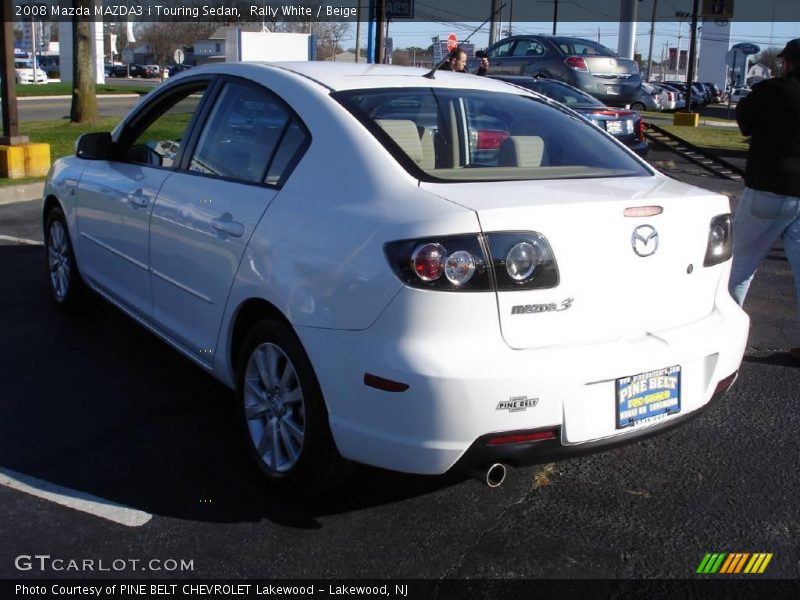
[{"x": 584, "y": 64}]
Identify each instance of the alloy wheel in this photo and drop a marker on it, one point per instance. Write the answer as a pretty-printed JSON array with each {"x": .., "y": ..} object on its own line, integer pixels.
[{"x": 274, "y": 407}]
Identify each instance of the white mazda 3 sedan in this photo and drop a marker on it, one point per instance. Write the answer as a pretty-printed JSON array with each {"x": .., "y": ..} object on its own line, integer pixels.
[{"x": 422, "y": 273}]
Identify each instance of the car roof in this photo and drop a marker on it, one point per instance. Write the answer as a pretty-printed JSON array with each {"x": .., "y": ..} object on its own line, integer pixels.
[{"x": 351, "y": 76}]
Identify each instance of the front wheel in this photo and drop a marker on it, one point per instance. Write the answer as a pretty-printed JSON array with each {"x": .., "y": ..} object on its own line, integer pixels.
[
  {"x": 66, "y": 285},
  {"x": 638, "y": 106},
  {"x": 283, "y": 413}
]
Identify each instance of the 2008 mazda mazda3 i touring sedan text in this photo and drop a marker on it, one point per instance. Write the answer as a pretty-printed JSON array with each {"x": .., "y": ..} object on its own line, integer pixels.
[{"x": 418, "y": 273}]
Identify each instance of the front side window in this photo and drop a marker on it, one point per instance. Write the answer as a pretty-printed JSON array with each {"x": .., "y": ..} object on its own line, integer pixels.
[
  {"x": 528, "y": 48},
  {"x": 502, "y": 50},
  {"x": 443, "y": 134},
  {"x": 158, "y": 134}
]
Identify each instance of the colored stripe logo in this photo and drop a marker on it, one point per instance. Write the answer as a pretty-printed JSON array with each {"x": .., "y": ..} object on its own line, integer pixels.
[{"x": 734, "y": 563}]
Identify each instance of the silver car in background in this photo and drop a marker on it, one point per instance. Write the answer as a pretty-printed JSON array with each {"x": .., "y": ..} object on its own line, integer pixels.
[{"x": 581, "y": 63}]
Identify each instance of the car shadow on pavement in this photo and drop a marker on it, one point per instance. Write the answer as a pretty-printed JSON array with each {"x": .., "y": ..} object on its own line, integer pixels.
[
  {"x": 776, "y": 359},
  {"x": 96, "y": 404}
]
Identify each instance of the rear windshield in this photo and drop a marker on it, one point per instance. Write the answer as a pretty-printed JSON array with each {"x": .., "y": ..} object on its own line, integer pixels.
[
  {"x": 582, "y": 47},
  {"x": 565, "y": 94},
  {"x": 457, "y": 135}
]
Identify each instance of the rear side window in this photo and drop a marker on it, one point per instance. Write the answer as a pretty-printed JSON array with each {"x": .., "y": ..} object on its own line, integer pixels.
[{"x": 443, "y": 134}]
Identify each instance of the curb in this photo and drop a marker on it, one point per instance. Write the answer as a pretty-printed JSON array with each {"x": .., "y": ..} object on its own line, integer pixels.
[
  {"x": 21, "y": 193},
  {"x": 35, "y": 98}
]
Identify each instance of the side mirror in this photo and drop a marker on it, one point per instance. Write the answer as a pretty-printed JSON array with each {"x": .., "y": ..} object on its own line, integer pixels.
[{"x": 94, "y": 146}]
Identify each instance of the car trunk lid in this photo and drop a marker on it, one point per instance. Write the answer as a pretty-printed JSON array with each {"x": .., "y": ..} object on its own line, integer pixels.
[{"x": 606, "y": 290}]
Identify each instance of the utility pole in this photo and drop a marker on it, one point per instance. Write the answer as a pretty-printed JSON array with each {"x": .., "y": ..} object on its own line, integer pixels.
[
  {"x": 11, "y": 134},
  {"x": 493, "y": 24},
  {"x": 380, "y": 15},
  {"x": 690, "y": 66},
  {"x": 555, "y": 15},
  {"x": 358, "y": 30},
  {"x": 652, "y": 36}
]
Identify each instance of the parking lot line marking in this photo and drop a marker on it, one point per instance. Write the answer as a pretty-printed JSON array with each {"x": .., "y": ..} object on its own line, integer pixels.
[
  {"x": 16, "y": 240},
  {"x": 99, "y": 507}
]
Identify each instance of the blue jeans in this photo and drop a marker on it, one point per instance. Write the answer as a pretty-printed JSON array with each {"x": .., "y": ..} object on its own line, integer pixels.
[{"x": 760, "y": 220}]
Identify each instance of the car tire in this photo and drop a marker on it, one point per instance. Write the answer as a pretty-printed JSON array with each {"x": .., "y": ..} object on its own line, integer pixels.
[
  {"x": 66, "y": 285},
  {"x": 638, "y": 106},
  {"x": 282, "y": 413}
]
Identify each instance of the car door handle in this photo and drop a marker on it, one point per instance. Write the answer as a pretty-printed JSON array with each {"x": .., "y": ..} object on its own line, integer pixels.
[
  {"x": 138, "y": 198},
  {"x": 233, "y": 228}
]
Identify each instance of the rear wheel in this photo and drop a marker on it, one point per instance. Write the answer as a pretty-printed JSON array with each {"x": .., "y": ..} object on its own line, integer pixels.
[
  {"x": 283, "y": 414},
  {"x": 66, "y": 285},
  {"x": 638, "y": 106}
]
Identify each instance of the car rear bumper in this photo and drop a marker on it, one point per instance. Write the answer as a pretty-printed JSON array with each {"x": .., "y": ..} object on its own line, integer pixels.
[{"x": 454, "y": 388}]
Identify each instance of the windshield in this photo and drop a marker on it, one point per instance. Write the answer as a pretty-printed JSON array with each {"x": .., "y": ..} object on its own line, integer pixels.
[{"x": 475, "y": 135}]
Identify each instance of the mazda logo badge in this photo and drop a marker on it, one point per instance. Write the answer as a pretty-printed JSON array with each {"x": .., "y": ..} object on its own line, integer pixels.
[{"x": 645, "y": 240}]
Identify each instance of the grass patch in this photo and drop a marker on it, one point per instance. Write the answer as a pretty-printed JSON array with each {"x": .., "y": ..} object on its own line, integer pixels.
[
  {"x": 61, "y": 135},
  {"x": 710, "y": 137},
  {"x": 65, "y": 89}
]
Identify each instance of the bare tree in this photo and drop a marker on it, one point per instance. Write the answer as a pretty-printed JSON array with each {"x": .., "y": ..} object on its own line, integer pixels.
[
  {"x": 84, "y": 100},
  {"x": 164, "y": 37},
  {"x": 769, "y": 58}
]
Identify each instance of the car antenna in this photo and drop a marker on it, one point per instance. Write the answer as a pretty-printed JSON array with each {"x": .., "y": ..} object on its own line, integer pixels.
[{"x": 432, "y": 73}]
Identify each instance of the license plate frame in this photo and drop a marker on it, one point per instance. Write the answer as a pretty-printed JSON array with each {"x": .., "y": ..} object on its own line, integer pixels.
[
  {"x": 614, "y": 127},
  {"x": 613, "y": 90},
  {"x": 647, "y": 397}
]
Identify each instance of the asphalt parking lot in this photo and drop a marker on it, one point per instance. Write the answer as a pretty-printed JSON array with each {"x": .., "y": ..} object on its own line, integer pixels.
[{"x": 95, "y": 404}]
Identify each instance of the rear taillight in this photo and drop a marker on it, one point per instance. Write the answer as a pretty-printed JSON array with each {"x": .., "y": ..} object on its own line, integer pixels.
[
  {"x": 452, "y": 263},
  {"x": 520, "y": 261},
  {"x": 576, "y": 63},
  {"x": 641, "y": 127},
  {"x": 670, "y": 97},
  {"x": 720, "y": 240},
  {"x": 488, "y": 139}
]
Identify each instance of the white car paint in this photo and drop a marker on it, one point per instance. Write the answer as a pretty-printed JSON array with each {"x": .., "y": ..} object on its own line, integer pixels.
[{"x": 314, "y": 249}]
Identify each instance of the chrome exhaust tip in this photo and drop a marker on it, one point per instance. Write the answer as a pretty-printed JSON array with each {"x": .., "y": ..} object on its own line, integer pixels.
[{"x": 495, "y": 475}]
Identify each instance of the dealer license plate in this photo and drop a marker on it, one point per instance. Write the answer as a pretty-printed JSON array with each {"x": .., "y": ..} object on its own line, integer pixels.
[
  {"x": 613, "y": 89},
  {"x": 614, "y": 127},
  {"x": 648, "y": 396}
]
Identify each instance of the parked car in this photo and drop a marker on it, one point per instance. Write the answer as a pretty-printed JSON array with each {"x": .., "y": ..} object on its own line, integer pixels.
[
  {"x": 23, "y": 69},
  {"x": 175, "y": 69},
  {"x": 625, "y": 125},
  {"x": 136, "y": 70},
  {"x": 581, "y": 63},
  {"x": 503, "y": 285},
  {"x": 670, "y": 98},
  {"x": 716, "y": 93},
  {"x": 738, "y": 93},
  {"x": 699, "y": 97},
  {"x": 647, "y": 98}
]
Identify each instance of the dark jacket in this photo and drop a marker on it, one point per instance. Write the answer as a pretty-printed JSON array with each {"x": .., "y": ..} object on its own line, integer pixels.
[{"x": 770, "y": 114}]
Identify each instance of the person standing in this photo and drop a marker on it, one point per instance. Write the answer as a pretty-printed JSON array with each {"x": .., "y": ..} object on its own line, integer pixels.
[
  {"x": 457, "y": 61},
  {"x": 770, "y": 206}
]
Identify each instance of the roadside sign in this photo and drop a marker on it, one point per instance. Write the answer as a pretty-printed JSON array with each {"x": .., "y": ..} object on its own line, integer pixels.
[
  {"x": 399, "y": 9},
  {"x": 178, "y": 56},
  {"x": 127, "y": 56},
  {"x": 746, "y": 48},
  {"x": 452, "y": 42}
]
